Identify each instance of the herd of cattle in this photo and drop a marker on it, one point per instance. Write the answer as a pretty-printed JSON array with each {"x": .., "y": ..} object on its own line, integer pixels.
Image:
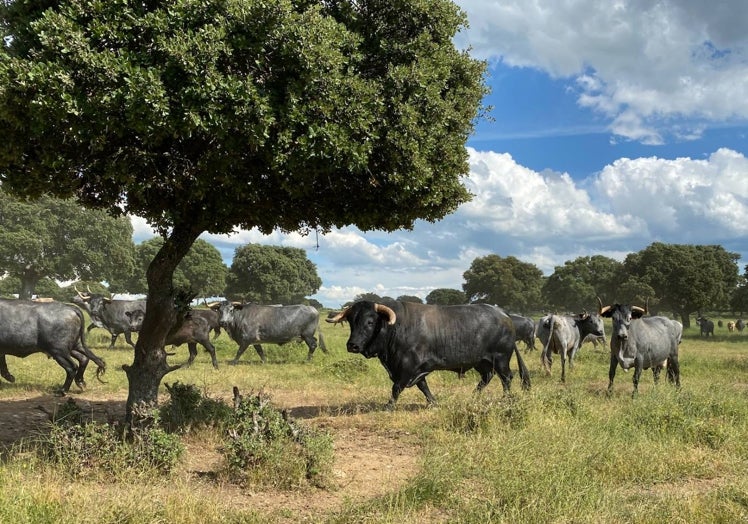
[{"x": 410, "y": 340}]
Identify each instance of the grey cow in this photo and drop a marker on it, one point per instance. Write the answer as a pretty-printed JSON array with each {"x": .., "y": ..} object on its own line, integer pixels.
[
  {"x": 112, "y": 314},
  {"x": 524, "y": 330},
  {"x": 706, "y": 325},
  {"x": 52, "y": 328},
  {"x": 563, "y": 335},
  {"x": 642, "y": 343},
  {"x": 254, "y": 324}
]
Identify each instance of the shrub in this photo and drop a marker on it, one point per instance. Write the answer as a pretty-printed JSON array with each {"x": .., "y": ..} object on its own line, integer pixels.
[
  {"x": 188, "y": 408},
  {"x": 265, "y": 447}
]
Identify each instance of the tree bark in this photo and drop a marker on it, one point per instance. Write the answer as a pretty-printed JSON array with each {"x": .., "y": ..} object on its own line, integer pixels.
[
  {"x": 149, "y": 364},
  {"x": 28, "y": 283}
]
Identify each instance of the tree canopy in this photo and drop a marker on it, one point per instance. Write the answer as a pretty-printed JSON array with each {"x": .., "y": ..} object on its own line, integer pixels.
[
  {"x": 205, "y": 116},
  {"x": 686, "y": 278},
  {"x": 271, "y": 274},
  {"x": 51, "y": 238},
  {"x": 576, "y": 285},
  {"x": 506, "y": 282},
  {"x": 202, "y": 269},
  {"x": 446, "y": 297}
]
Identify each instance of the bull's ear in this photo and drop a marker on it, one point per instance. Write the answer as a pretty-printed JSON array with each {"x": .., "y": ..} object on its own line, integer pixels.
[
  {"x": 606, "y": 312},
  {"x": 637, "y": 312},
  {"x": 128, "y": 313},
  {"x": 237, "y": 305}
]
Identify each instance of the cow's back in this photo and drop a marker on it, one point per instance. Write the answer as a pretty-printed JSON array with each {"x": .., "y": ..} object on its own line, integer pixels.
[
  {"x": 655, "y": 338},
  {"x": 273, "y": 324},
  {"x": 26, "y": 326}
]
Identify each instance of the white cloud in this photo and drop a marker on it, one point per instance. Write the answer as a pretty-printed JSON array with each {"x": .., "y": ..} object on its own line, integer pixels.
[
  {"x": 644, "y": 65},
  {"x": 544, "y": 218}
]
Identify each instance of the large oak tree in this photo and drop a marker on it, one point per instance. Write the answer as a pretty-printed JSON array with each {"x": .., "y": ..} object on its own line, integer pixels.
[
  {"x": 51, "y": 238},
  {"x": 207, "y": 115}
]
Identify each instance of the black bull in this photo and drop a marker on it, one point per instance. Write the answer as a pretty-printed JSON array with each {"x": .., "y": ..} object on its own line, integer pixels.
[
  {"x": 55, "y": 329},
  {"x": 412, "y": 340}
]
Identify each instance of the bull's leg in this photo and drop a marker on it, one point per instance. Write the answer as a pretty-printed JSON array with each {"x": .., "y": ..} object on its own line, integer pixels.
[
  {"x": 212, "y": 350},
  {"x": 82, "y": 359},
  {"x": 656, "y": 373},
  {"x": 485, "y": 377},
  {"x": 612, "y": 372},
  {"x": 4, "y": 370},
  {"x": 128, "y": 338},
  {"x": 563, "y": 365},
  {"x": 637, "y": 376},
  {"x": 114, "y": 340},
  {"x": 69, "y": 365},
  {"x": 258, "y": 348},
  {"x": 242, "y": 348},
  {"x": 673, "y": 370},
  {"x": 424, "y": 387},
  {"x": 311, "y": 343},
  {"x": 192, "y": 346},
  {"x": 396, "y": 390}
]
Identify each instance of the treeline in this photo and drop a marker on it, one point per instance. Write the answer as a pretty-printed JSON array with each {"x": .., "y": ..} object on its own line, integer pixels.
[{"x": 51, "y": 240}]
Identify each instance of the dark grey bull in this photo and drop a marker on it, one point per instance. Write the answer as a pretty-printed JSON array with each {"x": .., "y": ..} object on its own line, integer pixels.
[
  {"x": 193, "y": 329},
  {"x": 411, "y": 340},
  {"x": 706, "y": 326},
  {"x": 52, "y": 328},
  {"x": 524, "y": 330},
  {"x": 563, "y": 335},
  {"x": 254, "y": 324},
  {"x": 642, "y": 343},
  {"x": 112, "y": 314}
]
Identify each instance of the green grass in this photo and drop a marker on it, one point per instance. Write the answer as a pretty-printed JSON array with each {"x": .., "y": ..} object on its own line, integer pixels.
[{"x": 558, "y": 453}]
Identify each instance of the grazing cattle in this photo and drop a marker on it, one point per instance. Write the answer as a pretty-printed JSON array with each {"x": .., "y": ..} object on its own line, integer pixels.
[
  {"x": 111, "y": 314},
  {"x": 730, "y": 326},
  {"x": 739, "y": 325},
  {"x": 563, "y": 335},
  {"x": 211, "y": 317},
  {"x": 194, "y": 329},
  {"x": 706, "y": 325},
  {"x": 411, "y": 340},
  {"x": 642, "y": 343},
  {"x": 595, "y": 340},
  {"x": 254, "y": 324},
  {"x": 52, "y": 328},
  {"x": 719, "y": 323},
  {"x": 524, "y": 330}
]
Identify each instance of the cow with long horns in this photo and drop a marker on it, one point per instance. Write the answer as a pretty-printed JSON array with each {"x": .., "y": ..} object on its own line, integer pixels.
[
  {"x": 411, "y": 340},
  {"x": 642, "y": 343}
]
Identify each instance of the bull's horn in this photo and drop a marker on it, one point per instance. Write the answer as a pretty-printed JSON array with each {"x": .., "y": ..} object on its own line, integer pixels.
[
  {"x": 642, "y": 310},
  {"x": 77, "y": 291},
  {"x": 600, "y": 304},
  {"x": 379, "y": 308},
  {"x": 339, "y": 317},
  {"x": 213, "y": 305}
]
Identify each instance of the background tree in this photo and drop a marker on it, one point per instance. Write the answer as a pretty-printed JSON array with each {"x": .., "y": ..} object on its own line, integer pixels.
[
  {"x": 576, "y": 285},
  {"x": 410, "y": 298},
  {"x": 207, "y": 116},
  {"x": 202, "y": 269},
  {"x": 506, "y": 282},
  {"x": 686, "y": 278},
  {"x": 271, "y": 275},
  {"x": 61, "y": 240},
  {"x": 739, "y": 297},
  {"x": 446, "y": 297}
]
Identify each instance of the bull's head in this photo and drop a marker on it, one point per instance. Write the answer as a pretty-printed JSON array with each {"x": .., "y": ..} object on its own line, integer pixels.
[
  {"x": 622, "y": 315},
  {"x": 136, "y": 319},
  {"x": 366, "y": 320}
]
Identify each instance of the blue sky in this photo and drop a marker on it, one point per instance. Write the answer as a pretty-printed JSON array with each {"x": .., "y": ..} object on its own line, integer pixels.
[{"x": 615, "y": 125}]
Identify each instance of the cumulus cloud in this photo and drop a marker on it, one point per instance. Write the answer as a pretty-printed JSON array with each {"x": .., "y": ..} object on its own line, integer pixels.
[
  {"x": 544, "y": 218},
  {"x": 643, "y": 65}
]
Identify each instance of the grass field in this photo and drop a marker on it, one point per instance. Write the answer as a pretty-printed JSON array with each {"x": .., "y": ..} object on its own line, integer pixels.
[{"x": 558, "y": 453}]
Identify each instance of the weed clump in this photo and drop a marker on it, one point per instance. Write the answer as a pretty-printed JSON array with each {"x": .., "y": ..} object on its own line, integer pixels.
[
  {"x": 188, "y": 408},
  {"x": 79, "y": 445},
  {"x": 265, "y": 447}
]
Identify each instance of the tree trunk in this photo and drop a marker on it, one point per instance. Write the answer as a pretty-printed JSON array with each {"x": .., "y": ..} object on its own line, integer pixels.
[
  {"x": 28, "y": 284},
  {"x": 685, "y": 319},
  {"x": 149, "y": 365}
]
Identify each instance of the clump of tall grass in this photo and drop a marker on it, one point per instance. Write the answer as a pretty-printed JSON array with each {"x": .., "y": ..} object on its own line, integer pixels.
[{"x": 265, "y": 447}]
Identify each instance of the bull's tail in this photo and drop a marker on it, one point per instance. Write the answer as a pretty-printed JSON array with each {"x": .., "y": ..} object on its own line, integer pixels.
[
  {"x": 100, "y": 364},
  {"x": 524, "y": 373},
  {"x": 322, "y": 344},
  {"x": 545, "y": 356}
]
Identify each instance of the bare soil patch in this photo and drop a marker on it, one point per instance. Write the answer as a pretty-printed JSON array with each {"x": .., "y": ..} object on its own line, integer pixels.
[{"x": 370, "y": 460}]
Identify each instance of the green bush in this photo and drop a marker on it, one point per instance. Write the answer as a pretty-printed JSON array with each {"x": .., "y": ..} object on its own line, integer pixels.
[
  {"x": 188, "y": 408},
  {"x": 79, "y": 446},
  {"x": 265, "y": 447}
]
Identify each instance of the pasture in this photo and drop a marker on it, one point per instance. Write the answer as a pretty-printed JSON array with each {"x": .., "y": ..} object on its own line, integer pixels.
[{"x": 558, "y": 453}]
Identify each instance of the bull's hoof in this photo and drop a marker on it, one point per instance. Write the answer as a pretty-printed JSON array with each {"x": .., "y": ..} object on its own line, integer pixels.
[
  {"x": 233, "y": 362},
  {"x": 81, "y": 384},
  {"x": 59, "y": 392},
  {"x": 9, "y": 378}
]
